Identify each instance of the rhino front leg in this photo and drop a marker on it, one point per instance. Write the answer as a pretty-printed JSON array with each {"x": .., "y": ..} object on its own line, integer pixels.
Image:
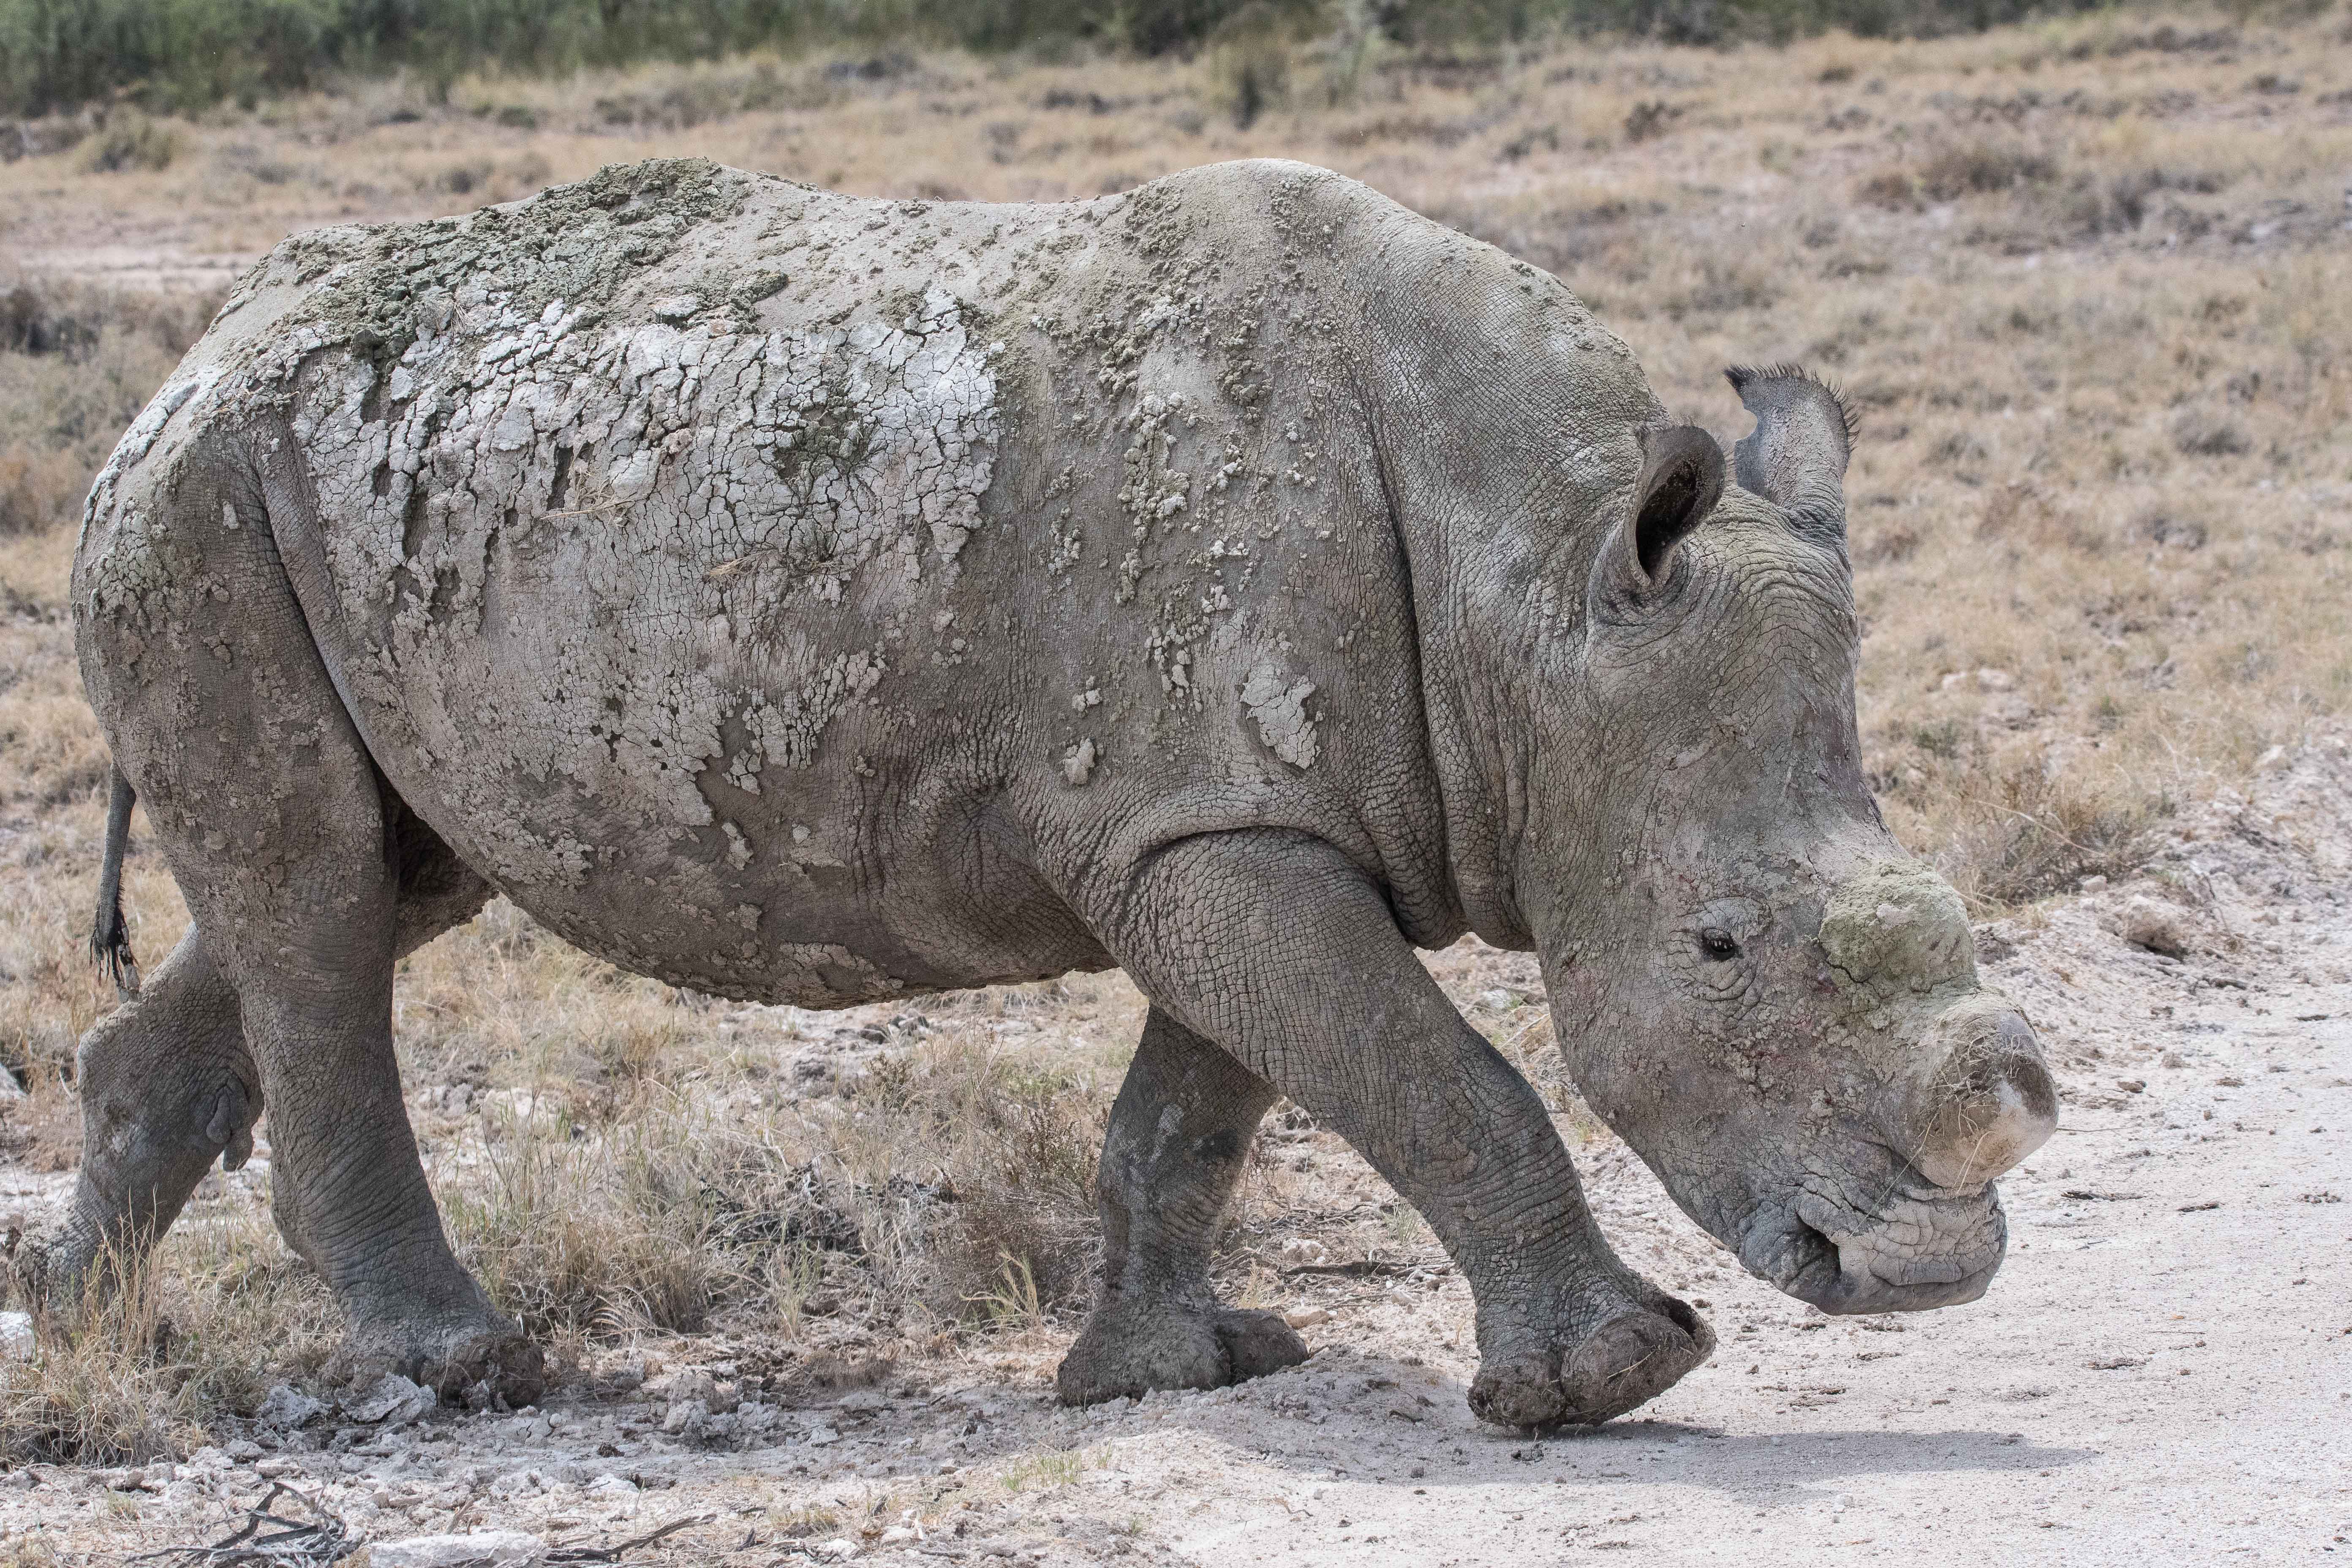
[
  {"x": 1274, "y": 945},
  {"x": 1179, "y": 1136}
]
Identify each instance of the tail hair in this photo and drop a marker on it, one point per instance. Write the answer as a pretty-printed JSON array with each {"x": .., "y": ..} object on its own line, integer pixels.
[{"x": 110, "y": 937}]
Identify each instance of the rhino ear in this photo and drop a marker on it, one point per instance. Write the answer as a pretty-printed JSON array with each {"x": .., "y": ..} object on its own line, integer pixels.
[
  {"x": 1681, "y": 478},
  {"x": 1796, "y": 458}
]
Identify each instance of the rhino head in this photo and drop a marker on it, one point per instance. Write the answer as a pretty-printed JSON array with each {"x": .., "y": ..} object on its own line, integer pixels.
[{"x": 1755, "y": 986}]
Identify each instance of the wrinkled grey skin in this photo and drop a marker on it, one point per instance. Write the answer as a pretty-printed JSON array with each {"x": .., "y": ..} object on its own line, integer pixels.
[{"x": 1242, "y": 580}]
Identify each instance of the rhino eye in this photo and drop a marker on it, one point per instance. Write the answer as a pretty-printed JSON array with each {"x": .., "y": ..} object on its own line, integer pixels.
[{"x": 1717, "y": 945}]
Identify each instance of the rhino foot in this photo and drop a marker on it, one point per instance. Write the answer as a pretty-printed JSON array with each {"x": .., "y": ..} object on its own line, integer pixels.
[
  {"x": 451, "y": 1355},
  {"x": 1627, "y": 1362},
  {"x": 1127, "y": 1354}
]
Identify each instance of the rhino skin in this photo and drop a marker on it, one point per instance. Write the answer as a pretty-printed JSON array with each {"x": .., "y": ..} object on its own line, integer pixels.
[{"x": 1242, "y": 580}]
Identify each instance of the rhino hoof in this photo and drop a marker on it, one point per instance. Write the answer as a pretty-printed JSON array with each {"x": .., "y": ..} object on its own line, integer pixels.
[
  {"x": 1625, "y": 1363},
  {"x": 1126, "y": 1355}
]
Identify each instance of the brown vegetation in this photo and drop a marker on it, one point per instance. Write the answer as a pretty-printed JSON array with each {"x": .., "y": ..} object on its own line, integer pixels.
[{"x": 2087, "y": 283}]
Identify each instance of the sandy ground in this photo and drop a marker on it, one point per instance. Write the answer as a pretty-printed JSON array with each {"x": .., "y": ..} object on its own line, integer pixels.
[{"x": 2162, "y": 1372}]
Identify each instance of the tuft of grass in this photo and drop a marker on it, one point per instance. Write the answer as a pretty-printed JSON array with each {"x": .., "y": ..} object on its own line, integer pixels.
[
  {"x": 133, "y": 1372},
  {"x": 130, "y": 140},
  {"x": 1044, "y": 1472}
]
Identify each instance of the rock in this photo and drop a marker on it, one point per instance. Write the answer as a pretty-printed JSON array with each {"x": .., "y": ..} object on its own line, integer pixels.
[
  {"x": 286, "y": 1409},
  {"x": 392, "y": 1400},
  {"x": 475, "y": 1548},
  {"x": 2155, "y": 926},
  {"x": 716, "y": 1397}
]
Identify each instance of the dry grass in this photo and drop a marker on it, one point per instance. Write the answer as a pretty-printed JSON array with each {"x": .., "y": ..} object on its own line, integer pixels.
[
  {"x": 155, "y": 1352},
  {"x": 2087, "y": 283}
]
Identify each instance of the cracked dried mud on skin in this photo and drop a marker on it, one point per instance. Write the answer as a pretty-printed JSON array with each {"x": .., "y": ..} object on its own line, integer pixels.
[{"x": 644, "y": 506}]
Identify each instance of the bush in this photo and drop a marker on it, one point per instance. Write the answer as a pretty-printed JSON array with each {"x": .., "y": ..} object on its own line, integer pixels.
[{"x": 184, "y": 54}]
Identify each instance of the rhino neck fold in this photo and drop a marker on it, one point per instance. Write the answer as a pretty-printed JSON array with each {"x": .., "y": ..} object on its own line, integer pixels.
[{"x": 1509, "y": 421}]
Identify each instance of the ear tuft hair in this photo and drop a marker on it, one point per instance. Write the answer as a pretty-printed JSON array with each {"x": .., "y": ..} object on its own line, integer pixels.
[
  {"x": 1741, "y": 375},
  {"x": 1797, "y": 456}
]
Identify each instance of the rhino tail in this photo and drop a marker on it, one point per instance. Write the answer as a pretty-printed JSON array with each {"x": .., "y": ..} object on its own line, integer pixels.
[{"x": 110, "y": 937}]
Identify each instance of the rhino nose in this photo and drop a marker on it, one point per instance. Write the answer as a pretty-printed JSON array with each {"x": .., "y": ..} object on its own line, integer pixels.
[{"x": 1991, "y": 1102}]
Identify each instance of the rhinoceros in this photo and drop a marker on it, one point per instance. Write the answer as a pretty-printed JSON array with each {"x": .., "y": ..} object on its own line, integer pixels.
[{"x": 1242, "y": 580}]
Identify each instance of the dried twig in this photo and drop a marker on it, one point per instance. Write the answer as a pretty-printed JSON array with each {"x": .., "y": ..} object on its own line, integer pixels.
[
  {"x": 324, "y": 1540},
  {"x": 613, "y": 1553}
]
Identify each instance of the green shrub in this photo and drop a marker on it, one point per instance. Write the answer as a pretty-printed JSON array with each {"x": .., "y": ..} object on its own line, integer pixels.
[{"x": 185, "y": 55}]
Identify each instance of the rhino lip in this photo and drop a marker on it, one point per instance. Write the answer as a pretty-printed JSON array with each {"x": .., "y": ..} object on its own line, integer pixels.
[{"x": 1850, "y": 1276}]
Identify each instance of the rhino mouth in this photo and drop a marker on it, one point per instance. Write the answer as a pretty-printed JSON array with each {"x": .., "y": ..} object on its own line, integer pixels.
[{"x": 1921, "y": 1248}]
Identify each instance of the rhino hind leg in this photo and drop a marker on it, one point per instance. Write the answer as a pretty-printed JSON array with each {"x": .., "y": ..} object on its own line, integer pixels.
[
  {"x": 288, "y": 851},
  {"x": 1277, "y": 947},
  {"x": 1179, "y": 1135},
  {"x": 167, "y": 1087}
]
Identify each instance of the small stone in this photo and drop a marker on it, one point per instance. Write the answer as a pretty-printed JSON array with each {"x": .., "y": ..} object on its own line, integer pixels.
[
  {"x": 392, "y": 1400},
  {"x": 2154, "y": 926},
  {"x": 285, "y": 1408},
  {"x": 475, "y": 1548}
]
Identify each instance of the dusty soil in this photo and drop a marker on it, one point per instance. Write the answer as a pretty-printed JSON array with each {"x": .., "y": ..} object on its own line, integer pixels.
[{"x": 2163, "y": 1370}]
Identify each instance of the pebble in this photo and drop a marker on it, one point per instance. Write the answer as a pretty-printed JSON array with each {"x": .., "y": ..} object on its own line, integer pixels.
[{"x": 475, "y": 1548}]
